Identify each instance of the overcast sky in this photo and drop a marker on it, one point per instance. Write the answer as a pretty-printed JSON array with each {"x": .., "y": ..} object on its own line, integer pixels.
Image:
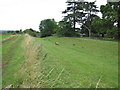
[{"x": 24, "y": 14}]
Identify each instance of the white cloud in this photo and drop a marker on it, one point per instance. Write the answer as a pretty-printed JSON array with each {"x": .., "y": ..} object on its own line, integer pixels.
[{"x": 23, "y": 14}]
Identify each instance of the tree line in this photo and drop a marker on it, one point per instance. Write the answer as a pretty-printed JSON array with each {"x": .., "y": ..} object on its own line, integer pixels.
[
  {"x": 29, "y": 31},
  {"x": 81, "y": 19}
]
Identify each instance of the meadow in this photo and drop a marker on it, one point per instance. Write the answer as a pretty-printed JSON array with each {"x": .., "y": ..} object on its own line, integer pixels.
[{"x": 30, "y": 62}]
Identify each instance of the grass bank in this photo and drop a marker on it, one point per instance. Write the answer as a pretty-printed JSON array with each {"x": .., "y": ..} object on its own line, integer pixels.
[
  {"x": 84, "y": 61},
  {"x": 30, "y": 62}
]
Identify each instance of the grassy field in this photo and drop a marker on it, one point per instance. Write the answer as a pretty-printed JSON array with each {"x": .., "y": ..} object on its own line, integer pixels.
[
  {"x": 5, "y": 36},
  {"x": 74, "y": 63}
]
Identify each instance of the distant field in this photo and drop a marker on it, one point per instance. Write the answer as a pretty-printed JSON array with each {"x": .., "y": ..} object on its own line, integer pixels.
[
  {"x": 5, "y": 36},
  {"x": 74, "y": 63}
]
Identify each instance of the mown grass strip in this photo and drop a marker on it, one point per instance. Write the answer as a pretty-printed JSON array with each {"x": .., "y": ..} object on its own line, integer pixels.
[
  {"x": 84, "y": 62},
  {"x": 12, "y": 59}
]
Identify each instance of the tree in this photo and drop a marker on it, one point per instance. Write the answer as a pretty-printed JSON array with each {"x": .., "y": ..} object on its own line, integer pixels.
[
  {"x": 99, "y": 26},
  {"x": 110, "y": 15},
  {"x": 80, "y": 12},
  {"x": 119, "y": 21},
  {"x": 71, "y": 11},
  {"x": 21, "y": 31},
  {"x": 110, "y": 12},
  {"x": 65, "y": 29},
  {"x": 90, "y": 10},
  {"x": 30, "y": 32},
  {"x": 47, "y": 27}
]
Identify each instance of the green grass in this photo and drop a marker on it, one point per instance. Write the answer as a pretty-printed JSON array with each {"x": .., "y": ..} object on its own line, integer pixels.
[
  {"x": 5, "y": 36},
  {"x": 83, "y": 63},
  {"x": 12, "y": 57},
  {"x": 38, "y": 62}
]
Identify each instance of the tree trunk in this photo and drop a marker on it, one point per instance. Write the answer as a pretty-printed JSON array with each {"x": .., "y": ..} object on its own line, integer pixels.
[
  {"x": 90, "y": 20},
  {"x": 74, "y": 22},
  {"x": 119, "y": 21},
  {"x": 89, "y": 32}
]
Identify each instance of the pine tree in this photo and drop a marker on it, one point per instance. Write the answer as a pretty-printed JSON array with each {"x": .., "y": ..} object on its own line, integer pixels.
[{"x": 79, "y": 12}]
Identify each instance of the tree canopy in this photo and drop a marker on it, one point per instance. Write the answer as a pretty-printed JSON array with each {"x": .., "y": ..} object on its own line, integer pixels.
[
  {"x": 47, "y": 27},
  {"x": 80, "y": 17},
  {"x": 110, "y": 16},
  {"x": 80, "y": 13}
]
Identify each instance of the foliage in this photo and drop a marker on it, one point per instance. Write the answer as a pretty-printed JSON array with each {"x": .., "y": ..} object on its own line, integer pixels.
[
  {"x": 47, "y": 27},
  {"x": 110, "y": 18},
  {"x": 65, "y": 29},
  {"x": 31, "y": 32},
  {"x": 81, "y": 13},
  {"x": 99, "y": 25},
  {"x": 110, "y": 12},
  {"x": 84, "y": 13},
  {"x": 113, "y": 33},
  {"x": 15, "y": 32}
]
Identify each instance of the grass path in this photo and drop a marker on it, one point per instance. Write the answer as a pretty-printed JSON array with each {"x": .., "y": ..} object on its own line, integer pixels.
[{"x": 12, "y": 57}]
